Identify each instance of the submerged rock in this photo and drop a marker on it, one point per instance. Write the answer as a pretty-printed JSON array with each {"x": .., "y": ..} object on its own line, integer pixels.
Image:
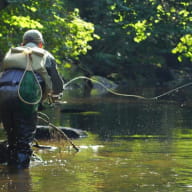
[{"x": 46, "y": 132}]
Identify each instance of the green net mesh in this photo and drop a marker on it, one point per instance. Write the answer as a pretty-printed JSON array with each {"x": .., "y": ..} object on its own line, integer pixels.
[{"x": 30, "y": 90}]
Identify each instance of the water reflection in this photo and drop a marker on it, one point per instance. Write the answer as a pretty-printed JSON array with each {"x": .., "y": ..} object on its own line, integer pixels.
[
  {"x": 14, "y": 180},
  {"x": 146, "y": 145},
  {"x": 120, "y": 117},
  {"x": 132, "y": 146}
]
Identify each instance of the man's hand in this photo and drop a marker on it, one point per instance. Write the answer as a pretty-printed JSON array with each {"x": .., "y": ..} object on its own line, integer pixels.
[{"x": 55, "y": 97}]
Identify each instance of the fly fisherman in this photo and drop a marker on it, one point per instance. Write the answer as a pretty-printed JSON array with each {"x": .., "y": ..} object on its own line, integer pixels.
[{"x": 20, "y": 118}]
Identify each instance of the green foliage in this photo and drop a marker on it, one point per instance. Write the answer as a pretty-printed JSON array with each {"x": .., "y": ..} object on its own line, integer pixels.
[
  {"x": 16, "y": 1},
  {"x": 184, "y": 47},
  {"x": 23, "y": 22},
  {"x": 140, "y": 30},
  {"x": 67, "y": 36},
  {"x": 137, "y": 37}
]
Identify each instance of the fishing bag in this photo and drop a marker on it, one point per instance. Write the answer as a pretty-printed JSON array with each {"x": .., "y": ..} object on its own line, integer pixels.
[{"x": 31, "y": 60}]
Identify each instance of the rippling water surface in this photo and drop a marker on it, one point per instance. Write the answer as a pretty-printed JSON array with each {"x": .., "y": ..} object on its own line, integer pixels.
[{"x": 131, "y": 146}]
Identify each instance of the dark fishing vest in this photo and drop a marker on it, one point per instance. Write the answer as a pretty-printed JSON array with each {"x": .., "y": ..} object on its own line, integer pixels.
[{"x": 16, "y": 58}]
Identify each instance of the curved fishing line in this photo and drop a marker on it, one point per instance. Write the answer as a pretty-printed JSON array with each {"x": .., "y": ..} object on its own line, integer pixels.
[
  {"x": 98, "y": 82},
  {"x": 127, "y": 95},
  {"x": 173, "y": 90}
]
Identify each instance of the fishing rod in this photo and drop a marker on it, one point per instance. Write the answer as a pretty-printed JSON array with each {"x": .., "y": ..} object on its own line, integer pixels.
[
  {"x": 45, "y": 118},
  {"x": 57, "y": 129},
  {"x": 128, "y": 95}
]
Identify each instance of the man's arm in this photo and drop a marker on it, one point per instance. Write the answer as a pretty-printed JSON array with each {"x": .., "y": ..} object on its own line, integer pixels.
[{"x": 57, "y": 81}]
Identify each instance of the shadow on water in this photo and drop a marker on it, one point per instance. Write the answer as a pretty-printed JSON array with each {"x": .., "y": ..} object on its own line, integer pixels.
[{"x": 132, "y": 146}]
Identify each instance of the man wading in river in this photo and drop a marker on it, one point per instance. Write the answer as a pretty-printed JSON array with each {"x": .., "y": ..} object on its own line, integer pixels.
[{"x": 29, "y": 63}]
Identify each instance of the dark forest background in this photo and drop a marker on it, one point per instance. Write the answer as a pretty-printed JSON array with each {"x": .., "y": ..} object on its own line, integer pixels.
[{"x": 143, "y": 43}]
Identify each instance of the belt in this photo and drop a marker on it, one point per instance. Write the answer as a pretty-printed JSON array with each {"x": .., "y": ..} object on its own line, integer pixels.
[{"x": 10, "y": 83}]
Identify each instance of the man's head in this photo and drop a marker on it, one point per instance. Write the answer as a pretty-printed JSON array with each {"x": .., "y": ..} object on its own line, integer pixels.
[{"x": 33, "y": 36}]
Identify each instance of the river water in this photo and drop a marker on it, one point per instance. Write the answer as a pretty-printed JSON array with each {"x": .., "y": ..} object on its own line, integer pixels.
[{"x": 132, "y": 145}]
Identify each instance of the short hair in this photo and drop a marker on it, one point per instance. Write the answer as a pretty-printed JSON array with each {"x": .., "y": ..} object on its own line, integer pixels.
[{"x": 33, "y": 36}]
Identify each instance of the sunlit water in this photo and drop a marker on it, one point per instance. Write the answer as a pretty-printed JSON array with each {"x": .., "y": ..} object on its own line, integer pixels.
[{"x": 131, "y": 146}]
